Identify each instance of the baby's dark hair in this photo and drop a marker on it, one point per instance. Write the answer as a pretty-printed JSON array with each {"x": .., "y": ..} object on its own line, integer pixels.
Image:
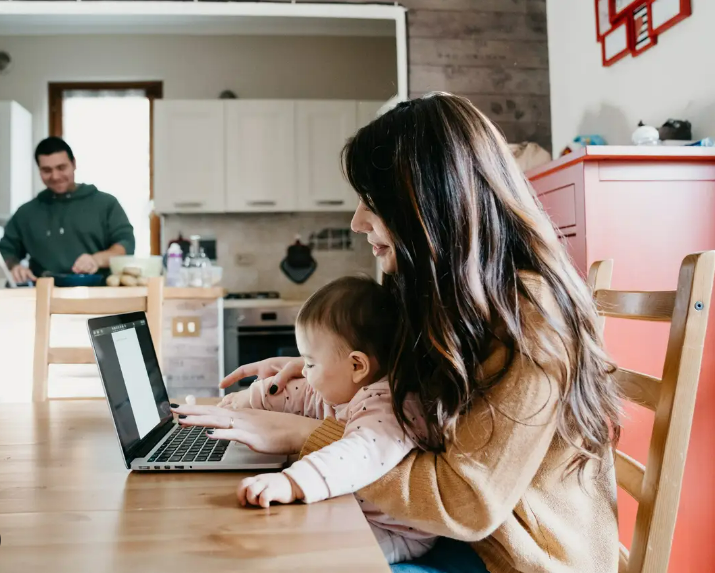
[{"x": 359, "y": 311}]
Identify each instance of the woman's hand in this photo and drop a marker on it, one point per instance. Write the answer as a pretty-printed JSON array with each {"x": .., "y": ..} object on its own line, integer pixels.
[
  {"x": 262, "y": 431},
  {"x": 283, "y": 371}
]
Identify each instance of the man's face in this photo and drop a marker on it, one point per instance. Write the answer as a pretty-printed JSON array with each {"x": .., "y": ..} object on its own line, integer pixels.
[{"x": 57, "y": 172}]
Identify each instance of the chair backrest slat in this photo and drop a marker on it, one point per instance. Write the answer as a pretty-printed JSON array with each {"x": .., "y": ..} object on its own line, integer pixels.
[
  {"x": 656, "y": 486},
  {"x": 639, "y": 388},
  {"x": 629, "y": 474},
  {"x": 98, "y": 306},
  {"x": 655, "y": 306},
  {"x": 70, "y": 356}
]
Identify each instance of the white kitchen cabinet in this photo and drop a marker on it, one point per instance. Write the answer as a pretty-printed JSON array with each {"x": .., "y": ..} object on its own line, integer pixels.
[
  {"x": 16, "y": 157},
  {"x": 260, "y": 156},
  {"x": 322, "y": 128},
  {"x": 189, "y": 156}
]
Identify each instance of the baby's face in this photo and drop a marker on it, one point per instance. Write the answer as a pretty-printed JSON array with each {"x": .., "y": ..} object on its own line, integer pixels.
[{"x": 330, "y": 368}]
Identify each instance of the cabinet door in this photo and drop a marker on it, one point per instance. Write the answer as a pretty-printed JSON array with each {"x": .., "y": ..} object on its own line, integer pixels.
[
  {"x": 260, "y": 156},
  {"x": 322, "y": 128},
  {"x": 189, "y": 168}
]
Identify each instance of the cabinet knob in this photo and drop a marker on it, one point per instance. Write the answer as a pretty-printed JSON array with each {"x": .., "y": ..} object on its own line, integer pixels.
[
  {"x": 330, "y": 202},
  {"x": 261, "y": 203}
]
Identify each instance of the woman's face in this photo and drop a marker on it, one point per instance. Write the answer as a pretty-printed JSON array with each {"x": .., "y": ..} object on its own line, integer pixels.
[{"x": 383, "y": 248}]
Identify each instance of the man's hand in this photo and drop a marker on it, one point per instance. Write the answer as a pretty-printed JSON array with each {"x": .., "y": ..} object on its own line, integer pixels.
[
  {"x": 265, "y": 488},
  {"x": 22, "y": 274},
  {"x": 86, "y": 265}
]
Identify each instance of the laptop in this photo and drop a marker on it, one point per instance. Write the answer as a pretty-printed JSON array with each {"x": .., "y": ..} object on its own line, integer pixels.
[{"x": 149, "y": 437}]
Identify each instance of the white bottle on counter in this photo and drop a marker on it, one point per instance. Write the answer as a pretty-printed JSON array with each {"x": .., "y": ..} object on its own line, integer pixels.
[{"x": 174, "y": 264}]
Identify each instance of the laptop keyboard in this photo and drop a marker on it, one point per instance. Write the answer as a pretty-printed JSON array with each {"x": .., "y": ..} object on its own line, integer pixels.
[{"x": 190, "y": 444}]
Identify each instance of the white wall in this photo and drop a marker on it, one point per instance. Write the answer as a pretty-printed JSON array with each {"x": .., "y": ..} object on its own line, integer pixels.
[
  {"x": 196, "y": 67},
  {"x": 675, "y": 79}
]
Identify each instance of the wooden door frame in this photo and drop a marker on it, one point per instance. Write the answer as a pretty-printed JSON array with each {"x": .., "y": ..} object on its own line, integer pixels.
[{"x": 153, "y": 90}]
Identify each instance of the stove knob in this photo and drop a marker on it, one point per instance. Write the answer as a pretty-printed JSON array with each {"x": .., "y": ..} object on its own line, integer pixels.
[{"x": 241, "y": 318}]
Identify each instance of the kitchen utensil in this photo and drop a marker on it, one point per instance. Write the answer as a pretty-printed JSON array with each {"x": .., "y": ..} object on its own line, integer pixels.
[
  {"x": 299, "y": 263},
  {"x": 150, "y": 266}
]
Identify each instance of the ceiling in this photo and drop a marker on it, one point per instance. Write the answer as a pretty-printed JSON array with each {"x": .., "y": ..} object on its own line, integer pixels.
[{"x": 191, "y": 24}]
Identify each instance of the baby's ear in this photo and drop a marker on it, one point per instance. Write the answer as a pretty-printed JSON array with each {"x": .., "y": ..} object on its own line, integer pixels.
[{"x": 360, "y": 366}]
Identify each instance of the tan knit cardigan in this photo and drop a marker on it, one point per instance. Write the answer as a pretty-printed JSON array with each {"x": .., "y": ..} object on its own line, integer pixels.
[{"x": 507, "y": 495}]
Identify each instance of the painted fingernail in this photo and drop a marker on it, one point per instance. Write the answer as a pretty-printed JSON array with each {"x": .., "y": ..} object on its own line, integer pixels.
[
  {"x": 273, "y": 389},
  {"x": 210, "y": 432},
  {"x": 182, "y": 416},
  {"x": 174, "y": 405}
]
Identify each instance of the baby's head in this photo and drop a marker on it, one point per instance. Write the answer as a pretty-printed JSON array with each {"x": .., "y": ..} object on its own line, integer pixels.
[{"x": 345, "y": 332}]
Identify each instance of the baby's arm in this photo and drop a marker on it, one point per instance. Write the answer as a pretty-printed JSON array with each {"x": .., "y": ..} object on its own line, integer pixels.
[
  {"x": 373, "y": 444},
  {"x": 297, "y": 398}
]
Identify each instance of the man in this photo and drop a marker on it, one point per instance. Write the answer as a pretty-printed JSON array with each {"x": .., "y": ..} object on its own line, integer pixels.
[{"x": 68, "y": 227}]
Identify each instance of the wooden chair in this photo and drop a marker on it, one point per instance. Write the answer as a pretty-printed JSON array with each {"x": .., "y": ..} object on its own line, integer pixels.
[
  {"x": 86, "y": 301},
  {"x": 656, "y": 486}
]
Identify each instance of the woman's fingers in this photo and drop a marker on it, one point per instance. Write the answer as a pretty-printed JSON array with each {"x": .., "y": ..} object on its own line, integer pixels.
[
  {"x": 262, "y": 369},
  {"x": 291, "y": 371},
  {"x": 187, "y": 410},
  {"x": 206, "y": 421},
  {"x": 239, "y": 374}
]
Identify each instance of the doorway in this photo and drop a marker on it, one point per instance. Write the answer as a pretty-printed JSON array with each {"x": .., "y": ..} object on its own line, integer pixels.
[{"x": 109, "y": 126}]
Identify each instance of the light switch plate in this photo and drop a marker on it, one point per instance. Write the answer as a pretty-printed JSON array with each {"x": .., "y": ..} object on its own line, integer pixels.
[{"x": 186, "y": 326}]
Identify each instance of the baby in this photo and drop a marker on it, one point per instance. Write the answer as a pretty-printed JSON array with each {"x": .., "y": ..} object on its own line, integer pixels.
[{"x": 344, "y": 333}]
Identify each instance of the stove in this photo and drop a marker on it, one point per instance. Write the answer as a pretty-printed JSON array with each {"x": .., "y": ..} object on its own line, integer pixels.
[{"x": 255, "y": 295}]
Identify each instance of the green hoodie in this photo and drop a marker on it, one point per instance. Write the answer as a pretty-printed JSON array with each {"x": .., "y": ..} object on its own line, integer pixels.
[{"x": 56, "y": 229}]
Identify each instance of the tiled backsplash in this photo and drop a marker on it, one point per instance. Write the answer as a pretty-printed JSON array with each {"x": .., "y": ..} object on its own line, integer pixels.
[{"x": 250, "y": 248}]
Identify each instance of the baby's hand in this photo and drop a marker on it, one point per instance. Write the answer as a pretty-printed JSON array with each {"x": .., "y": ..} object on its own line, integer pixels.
[
  {"x": 235, "y": 400},
  {"x": 265, "y": 488}
]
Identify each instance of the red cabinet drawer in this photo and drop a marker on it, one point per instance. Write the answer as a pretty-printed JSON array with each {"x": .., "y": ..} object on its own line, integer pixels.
[{"x": 560, "y": 204}]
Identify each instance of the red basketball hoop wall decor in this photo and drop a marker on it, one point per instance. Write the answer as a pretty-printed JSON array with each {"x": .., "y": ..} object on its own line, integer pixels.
[{"x": 632, "y": 26}]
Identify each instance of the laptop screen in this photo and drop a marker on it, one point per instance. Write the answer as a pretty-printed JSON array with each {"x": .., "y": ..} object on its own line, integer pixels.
[{"x": 132, "y": 379}]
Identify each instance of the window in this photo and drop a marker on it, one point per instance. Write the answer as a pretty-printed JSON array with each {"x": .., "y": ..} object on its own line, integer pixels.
[{"x": 109, "y": 128}]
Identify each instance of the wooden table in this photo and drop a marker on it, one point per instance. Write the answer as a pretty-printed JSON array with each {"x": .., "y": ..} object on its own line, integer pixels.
[{"x": 68, "y": 504}]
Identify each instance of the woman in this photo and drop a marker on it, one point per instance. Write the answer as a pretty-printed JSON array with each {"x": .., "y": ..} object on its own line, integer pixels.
[{"x": 499, "y": 342}]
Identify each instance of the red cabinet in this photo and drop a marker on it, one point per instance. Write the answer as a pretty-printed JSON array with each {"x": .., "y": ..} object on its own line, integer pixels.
[{"x": 646, "y": 208}]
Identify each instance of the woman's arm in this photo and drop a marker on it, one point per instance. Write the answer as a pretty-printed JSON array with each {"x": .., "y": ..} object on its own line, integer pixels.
[{"x": 470, "y": 490}]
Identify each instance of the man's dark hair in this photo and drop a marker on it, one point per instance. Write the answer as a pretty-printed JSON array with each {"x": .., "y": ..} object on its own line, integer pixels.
[{"x": 52, "y": 145}]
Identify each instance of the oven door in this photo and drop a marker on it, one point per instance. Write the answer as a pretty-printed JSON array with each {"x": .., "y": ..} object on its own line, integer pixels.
[{"x": 254, "y": 343}]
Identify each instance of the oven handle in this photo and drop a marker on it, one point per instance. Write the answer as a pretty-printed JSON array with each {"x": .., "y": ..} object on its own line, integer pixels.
[{"x": 266, "y": 332}]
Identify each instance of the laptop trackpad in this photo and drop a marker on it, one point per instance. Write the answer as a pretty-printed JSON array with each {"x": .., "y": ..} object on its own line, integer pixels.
[{"x": 240, "y": 455}]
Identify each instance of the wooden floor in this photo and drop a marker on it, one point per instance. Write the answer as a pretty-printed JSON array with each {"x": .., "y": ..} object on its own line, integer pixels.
[{"x": 67, "y": 504}]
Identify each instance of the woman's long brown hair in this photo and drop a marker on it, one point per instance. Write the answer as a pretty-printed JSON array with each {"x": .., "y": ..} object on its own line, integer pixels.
[{"x": 466, "y": 230}]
